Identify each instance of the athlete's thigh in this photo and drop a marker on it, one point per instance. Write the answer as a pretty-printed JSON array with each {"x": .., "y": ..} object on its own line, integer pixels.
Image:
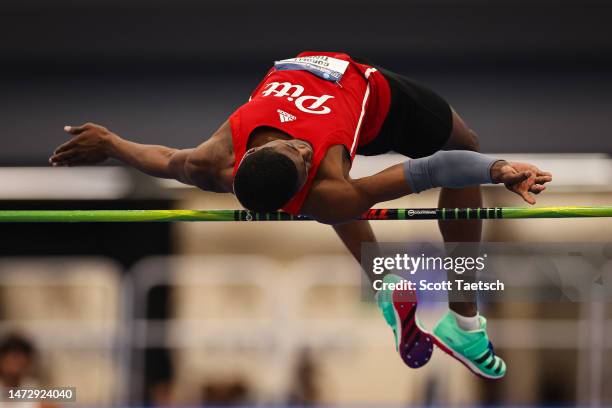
[{"x": 419, "y": 121}]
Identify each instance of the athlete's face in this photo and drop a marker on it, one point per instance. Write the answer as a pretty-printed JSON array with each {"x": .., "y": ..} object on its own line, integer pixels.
[{"x": 298, "y": 151}]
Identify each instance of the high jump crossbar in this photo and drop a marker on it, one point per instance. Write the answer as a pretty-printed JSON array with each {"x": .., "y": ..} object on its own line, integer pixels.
[{"x": 68, "y": 216}]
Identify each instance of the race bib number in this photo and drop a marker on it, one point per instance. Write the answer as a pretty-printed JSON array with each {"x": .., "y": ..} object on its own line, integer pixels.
[{"x": 328, "y": 68}]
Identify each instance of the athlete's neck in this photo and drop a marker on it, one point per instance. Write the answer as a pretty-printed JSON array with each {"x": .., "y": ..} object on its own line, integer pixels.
[{"x": 263, "y": 135}]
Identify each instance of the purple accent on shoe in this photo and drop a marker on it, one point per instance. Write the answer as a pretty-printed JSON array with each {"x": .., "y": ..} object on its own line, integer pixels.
[{"x": 414, "y": 352}]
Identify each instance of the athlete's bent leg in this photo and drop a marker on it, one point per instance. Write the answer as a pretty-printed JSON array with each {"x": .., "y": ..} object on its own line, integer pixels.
[
  {"x": 397, "y": 306},
  {"x": 462, "y": 138},
  {"x": 463, "y": 333}
]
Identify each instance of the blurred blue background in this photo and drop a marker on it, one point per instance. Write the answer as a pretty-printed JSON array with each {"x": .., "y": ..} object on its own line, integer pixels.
[{"x": 528, "y": 76}]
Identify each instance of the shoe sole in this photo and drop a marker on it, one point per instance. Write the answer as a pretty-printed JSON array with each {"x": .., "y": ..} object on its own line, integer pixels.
[{"x": 414, "y": 354}]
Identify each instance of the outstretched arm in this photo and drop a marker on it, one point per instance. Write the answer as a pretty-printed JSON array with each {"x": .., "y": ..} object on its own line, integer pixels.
[
  {"x": 344, "y": 200},
  {"x": 93, "y": 144},
  {"x": 208, "y": 166}
]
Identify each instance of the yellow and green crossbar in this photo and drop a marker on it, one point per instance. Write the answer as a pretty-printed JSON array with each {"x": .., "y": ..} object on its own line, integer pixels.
[{"x": 61, "y": 216}]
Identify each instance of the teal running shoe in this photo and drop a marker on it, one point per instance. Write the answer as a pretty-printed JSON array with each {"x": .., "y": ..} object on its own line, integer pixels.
[
  {"x": 399, "y": 307},
  {"x": 472, "y": 348}
]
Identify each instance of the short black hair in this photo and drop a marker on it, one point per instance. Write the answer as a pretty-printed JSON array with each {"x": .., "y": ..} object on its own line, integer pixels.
[
  {"x": 265, "y": 181},
  {"x": 16, "y": 343}
]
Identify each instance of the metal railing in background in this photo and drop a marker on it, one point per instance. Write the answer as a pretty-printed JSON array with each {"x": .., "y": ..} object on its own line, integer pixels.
[
  {"x": 259, "y": 314},
  {"x": 70, "y": 309},
  {"x": 292, "y": 327}
]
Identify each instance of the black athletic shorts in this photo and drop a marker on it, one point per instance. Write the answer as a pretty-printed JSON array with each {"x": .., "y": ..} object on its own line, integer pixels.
[{"x": 419, "y": 122}]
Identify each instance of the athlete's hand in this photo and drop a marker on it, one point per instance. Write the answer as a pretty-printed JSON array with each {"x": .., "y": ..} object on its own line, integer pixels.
[
  {"x": 523, "y": 179},
  {"x": 89, "y": 145}
]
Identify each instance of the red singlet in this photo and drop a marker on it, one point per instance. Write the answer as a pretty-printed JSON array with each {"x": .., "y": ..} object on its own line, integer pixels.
[{"x": 309, "y": 105}]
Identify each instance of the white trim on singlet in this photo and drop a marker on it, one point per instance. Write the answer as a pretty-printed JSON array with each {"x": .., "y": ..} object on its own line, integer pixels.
[{"x": 363, "y": 109}]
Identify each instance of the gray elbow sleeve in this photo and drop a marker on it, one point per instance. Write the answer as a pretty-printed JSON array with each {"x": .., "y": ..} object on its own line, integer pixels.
[{"x": 454, "y": 168}]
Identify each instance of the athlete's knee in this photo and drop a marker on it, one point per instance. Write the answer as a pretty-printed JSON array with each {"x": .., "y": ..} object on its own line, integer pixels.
[
  {"x": 471, "y": 141},
  {"x": 462, "y": 137},
  {"x": 466, "y": 140}
]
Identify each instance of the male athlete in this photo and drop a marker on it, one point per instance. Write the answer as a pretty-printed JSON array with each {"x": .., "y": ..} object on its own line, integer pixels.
[{"x": 291, "y": 147}]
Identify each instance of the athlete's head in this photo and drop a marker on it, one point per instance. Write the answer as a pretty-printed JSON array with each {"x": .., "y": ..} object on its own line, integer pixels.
[
  {"x": 17, "y": 354},
  {"x": 270, "y": 174}
]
